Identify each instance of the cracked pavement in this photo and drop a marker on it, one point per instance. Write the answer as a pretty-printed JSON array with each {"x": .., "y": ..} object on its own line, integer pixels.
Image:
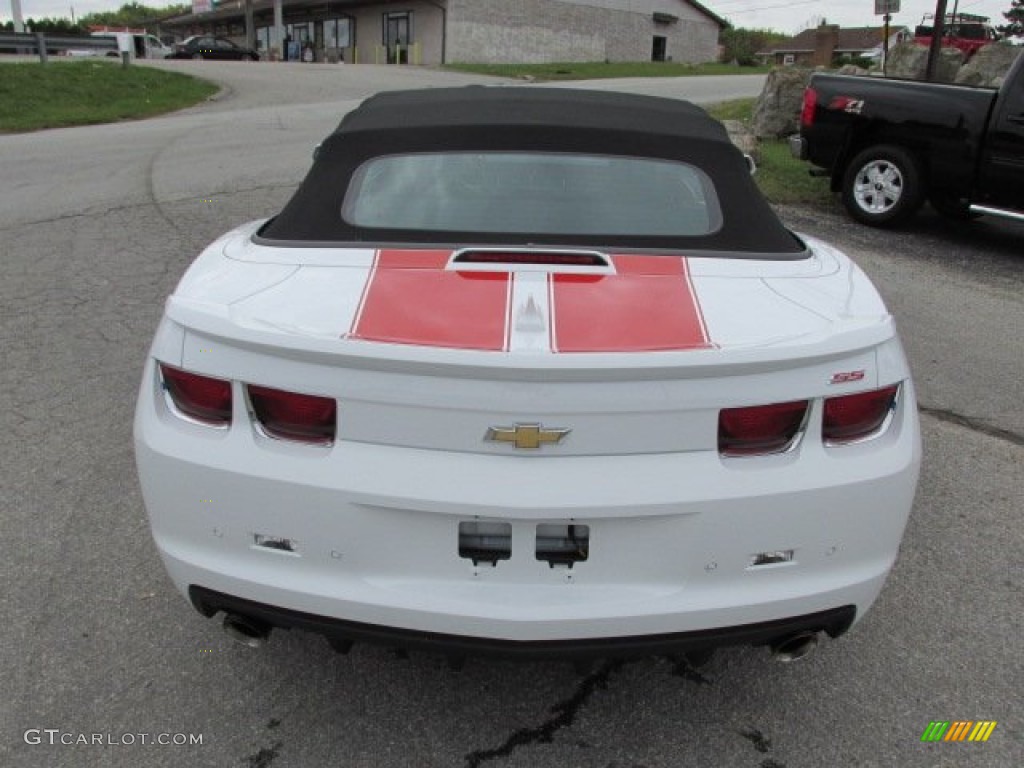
[{"x": 97, "y": 225}]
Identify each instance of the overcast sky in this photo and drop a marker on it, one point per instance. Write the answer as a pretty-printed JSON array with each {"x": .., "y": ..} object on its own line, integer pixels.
[{"x": 789, "y": 16}]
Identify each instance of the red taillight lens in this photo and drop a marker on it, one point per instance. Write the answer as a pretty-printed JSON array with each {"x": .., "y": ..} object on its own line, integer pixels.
[
  {"x": 759, "y": 429},
  {"x": 199, "y": 397},
  {"x": 854, "y": 417},
  {"x": 810, "y": 104},
  {"x": 291, "y": 416}
]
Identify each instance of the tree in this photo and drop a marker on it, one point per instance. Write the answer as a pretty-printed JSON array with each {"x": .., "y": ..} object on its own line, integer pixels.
[
  {"x": 1014, "y": 18},
  {"x": 741, "y": 45},
  {"x": 132, "y": 15},
  {"x": 48, "y": 26}
]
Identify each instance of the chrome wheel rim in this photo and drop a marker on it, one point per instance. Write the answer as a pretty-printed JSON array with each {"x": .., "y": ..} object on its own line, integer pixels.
[{"x": 878, "y": 187}]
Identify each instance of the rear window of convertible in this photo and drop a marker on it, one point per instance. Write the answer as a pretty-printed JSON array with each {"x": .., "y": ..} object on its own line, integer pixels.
[{"x": 532, "y": 192}]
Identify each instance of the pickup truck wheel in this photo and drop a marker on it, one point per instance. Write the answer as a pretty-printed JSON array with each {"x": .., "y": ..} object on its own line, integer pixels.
[{"x": 882, "y": 186}]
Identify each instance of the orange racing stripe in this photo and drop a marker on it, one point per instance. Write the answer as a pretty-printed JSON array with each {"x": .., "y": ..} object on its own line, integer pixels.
[
  {"x": 650, "y": 304},
  {"x": 411, "y": 299}
]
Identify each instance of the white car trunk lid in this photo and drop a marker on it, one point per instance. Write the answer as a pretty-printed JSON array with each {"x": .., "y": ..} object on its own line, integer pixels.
[{"x": 423, "y": 351}]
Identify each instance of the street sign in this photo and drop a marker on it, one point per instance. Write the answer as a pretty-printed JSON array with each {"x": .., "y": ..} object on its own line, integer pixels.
[{"x": 884, "y": 7}]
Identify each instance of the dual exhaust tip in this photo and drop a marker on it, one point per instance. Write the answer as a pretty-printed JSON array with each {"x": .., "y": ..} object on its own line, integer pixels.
[
  {"x": 245, "y": 630},
  {"x": 794, "y": 647}
]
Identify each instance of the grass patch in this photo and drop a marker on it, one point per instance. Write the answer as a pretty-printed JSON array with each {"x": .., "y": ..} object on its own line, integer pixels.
[
  {"x": 781, "y": 177},
  {"x": 739, "y": 109},
  {"x": 784, "y": 179},
  {"x": 593, "y": 70},
  {"x": 35, "y": 96}
]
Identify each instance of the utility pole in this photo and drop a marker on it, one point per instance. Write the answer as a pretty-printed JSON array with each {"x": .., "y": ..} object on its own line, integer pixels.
[
  {"x": 279, "y": 29},
  {"x": 19, "y": 23},
  {"x": 250, "y": 27},
  {"x": 937, "y": 34}
]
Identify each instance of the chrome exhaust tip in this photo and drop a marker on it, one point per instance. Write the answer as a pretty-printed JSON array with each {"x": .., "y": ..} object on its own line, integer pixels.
[
  {"x": 794, "y": 647},
  {"x": 251, "y": 633}
]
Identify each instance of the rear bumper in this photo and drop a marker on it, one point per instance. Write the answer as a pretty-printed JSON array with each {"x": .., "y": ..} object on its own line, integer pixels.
[
  {"x": 373, "y": 549},
  {"x": 685, "y": 548},
  {"x": 834, "y": 622}
]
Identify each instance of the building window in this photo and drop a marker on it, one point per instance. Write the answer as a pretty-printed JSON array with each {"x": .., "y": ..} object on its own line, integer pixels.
[
  {"x": 301, "y": 33},
  {"x": 338, "y": 33},
  {"x": 397, "y": 34},
  {"x": 789, "y": 59}
]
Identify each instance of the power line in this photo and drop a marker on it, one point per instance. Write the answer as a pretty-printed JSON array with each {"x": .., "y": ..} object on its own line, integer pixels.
[{"x": 768, "y": 7}]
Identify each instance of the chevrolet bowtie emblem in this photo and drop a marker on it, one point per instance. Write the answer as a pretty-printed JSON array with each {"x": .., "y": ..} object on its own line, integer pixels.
[{"x": 528, "y": 436}]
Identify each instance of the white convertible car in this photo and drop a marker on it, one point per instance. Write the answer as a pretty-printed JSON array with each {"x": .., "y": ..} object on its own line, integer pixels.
[{"x": 534, "y": 372}]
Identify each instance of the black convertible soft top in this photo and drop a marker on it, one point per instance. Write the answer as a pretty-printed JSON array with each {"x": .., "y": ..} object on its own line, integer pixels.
[{"x": 533, "y": 119}]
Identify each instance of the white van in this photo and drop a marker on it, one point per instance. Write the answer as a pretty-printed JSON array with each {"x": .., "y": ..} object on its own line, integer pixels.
[{"x": 140, "y": 45}]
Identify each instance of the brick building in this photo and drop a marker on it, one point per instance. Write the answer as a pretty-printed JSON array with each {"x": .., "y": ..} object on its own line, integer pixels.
[{"x": 822, "y": 45}]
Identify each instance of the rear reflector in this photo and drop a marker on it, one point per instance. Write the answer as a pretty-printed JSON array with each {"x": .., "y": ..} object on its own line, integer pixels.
[
  {"x": 291, "y": 416},
  {"x": 854, "y": 417},
  {"x": 200, "y": 398},
  {"x": 759, "y": 429}
]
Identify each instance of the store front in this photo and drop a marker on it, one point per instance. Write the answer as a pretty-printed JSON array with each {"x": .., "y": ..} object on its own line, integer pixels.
[
  {"x": 350, "y": 31},
  {"x": 329, "y": 39}
]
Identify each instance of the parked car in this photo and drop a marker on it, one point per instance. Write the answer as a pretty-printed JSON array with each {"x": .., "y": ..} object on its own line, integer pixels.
[
  {"x": 889, "y": 145},
  {"x": 210, "y": 47},
  {"x": 534, "y": 372}
]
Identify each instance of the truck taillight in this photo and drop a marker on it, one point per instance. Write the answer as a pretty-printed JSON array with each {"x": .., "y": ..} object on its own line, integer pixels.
[
  {"x": 810, "y": 104},
  {"x": 759, "y": 429},
  {"x": 291, "y": 416},
  {"x": 849, "y": 418},
  {"x": 202, "y": 398}
]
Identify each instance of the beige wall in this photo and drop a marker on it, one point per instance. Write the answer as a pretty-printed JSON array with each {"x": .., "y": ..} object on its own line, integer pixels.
[
  {"x": 535, "y": 31},
  {"x": 427, "y": 31}
]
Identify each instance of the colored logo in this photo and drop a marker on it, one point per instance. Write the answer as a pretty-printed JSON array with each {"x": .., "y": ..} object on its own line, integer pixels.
[
  {"x": 958, "y": 730},
  {"x": 528, "y": 436}
]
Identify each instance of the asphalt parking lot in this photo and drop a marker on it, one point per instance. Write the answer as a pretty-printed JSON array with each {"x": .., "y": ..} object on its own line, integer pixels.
[{"x": 97, "y": 225}]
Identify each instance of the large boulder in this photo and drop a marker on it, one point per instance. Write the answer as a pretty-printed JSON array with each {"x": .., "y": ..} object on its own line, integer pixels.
[
  {"x": 777, "y": 110},
  {"x": 742, "y": 137},
  {"x": 989, "y": 65},
  {"x": 852, "y": 70},
  {"x": 910, "y": 61}
]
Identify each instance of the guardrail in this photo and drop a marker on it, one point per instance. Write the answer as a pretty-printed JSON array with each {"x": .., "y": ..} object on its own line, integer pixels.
[{"x": 42, "y": 44}]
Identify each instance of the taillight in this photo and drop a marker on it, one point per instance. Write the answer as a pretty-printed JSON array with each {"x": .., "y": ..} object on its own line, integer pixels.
[
  {"x": 291, "y": 416},
  {"x": 853, "y": 417},
  {"x": 759, "y": 429},
  {"x": 810, "y": 104},
  {"x": 201, "y": 398}
]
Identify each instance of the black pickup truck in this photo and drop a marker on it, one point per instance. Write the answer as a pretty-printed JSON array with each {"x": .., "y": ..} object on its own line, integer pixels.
[{"x": 889, "y": 145}]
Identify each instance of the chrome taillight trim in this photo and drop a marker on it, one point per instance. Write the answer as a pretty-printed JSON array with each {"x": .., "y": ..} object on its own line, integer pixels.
[
  {"x": 790, "y": 447},
  {"x": 260, "y": 430},
  {"x": 173, "y": 408},
  {"x": 882, "y": 428}
]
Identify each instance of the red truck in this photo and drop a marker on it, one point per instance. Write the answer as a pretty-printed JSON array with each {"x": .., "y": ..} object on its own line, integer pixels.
[{"x": 964, "y": 31}]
